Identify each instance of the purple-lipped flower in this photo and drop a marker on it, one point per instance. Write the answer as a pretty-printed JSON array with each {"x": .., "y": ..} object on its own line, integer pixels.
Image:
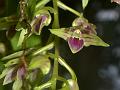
[
  {"x": 39, "y": 22},
  {"x": 75, "y": 43},
  {"x": 82, "y": 33}
]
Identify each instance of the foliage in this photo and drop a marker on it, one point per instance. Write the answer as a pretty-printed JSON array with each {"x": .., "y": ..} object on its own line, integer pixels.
[{"x": 30, "y": 62}]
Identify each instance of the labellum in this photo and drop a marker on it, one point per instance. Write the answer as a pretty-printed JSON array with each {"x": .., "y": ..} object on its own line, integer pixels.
[
  {"x": 38, "y": 23},
  {"x": 75, "y": 43}
]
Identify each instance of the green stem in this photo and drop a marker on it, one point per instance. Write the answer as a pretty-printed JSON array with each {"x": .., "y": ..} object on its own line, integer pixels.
[
  {"x": 46, "y": 85},
  {"x": 65, "y": 7},
  {"x": 63, "y": 63},
  {"x": 56, "y": 19},
  {"x": 55, "y": 25},
  {"x": 47, "y": 47}
]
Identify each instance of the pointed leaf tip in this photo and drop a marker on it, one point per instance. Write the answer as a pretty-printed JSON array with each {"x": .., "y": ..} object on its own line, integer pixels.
[{"x": 84, "y": 3}]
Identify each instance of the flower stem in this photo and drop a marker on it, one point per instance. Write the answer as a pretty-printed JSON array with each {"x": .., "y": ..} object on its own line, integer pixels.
[
  {"x": 65, "y": 7},
  {"x": 47, "y": 47},
  {"x": 46, "y": 85},
  {"x": 63, "y": 63},
  {"x": 56, "y": 41}
]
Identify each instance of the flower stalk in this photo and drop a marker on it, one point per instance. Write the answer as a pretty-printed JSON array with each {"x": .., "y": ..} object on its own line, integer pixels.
[{"x": 56, "y": 41}]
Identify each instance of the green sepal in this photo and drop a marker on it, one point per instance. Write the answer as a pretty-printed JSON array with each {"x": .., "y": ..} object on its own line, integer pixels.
[
  {"x": 84, "y": 3},
  {"x": 93, "y": 40}
]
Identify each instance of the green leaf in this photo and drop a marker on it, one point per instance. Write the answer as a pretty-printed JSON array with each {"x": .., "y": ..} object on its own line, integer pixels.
[
  {"x": 21, "y": 38},
  {"x": 29, "y": 41},
  {"x": 41, "y": 62},
  {"x": 12, "y": 62},
  {"x": 84, "y": 3},
  {"x": 35, "y": 38}
]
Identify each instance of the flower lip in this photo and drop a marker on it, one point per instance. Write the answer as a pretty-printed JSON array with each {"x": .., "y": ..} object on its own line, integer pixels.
[
  {"x": 39, "y": 24},
  {"x": 75, "y": 44}
]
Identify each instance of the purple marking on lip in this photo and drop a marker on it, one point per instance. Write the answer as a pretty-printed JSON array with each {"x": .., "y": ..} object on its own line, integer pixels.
[
  {"x": 75, "y": 44},
  {"x": 40, "y": 22}
]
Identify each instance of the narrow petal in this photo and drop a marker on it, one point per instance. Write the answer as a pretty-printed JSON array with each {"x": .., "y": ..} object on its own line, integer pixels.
[
  {"x": 75, "y": 44},
  {"x": 9, "y": 77}
]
